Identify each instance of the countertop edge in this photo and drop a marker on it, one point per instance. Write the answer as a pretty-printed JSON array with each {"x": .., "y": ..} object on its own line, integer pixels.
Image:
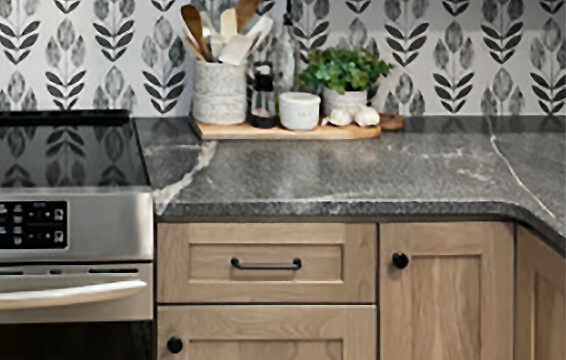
[{"x": 378, "y": 211}]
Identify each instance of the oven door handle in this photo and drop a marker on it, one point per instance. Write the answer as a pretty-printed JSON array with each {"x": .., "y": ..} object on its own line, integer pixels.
[{"x": 70, "y": 296}]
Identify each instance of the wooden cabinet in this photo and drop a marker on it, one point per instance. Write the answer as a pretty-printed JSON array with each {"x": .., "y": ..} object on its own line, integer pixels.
[
  {"x": 337, "y": 263},
  {"x": 541, "y": 300},
  {"x": 454, "y": 298},
  {"x": 268, "y": 332}
]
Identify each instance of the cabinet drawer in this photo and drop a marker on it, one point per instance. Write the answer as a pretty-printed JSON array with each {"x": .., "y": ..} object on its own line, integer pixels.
[
  {"x": 272, "y": 332},
  {"x": 270, "y": 263}
]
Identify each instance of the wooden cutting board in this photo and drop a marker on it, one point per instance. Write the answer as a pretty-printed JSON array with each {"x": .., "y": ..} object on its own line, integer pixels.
[{"x": 247, "y": 132}]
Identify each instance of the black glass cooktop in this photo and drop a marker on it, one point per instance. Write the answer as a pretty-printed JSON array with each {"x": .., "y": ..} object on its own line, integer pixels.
[{"x": 70, "y": 149}]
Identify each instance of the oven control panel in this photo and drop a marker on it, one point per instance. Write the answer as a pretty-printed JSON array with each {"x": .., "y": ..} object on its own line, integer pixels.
[{"x": 33, "y": 225}]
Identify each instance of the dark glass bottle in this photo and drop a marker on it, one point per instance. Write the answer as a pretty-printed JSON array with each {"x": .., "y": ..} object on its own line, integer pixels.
[{"x": 263, "y": 98}]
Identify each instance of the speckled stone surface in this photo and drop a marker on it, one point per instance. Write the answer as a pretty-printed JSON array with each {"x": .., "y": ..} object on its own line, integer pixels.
[{"x": 457, "y": 168}]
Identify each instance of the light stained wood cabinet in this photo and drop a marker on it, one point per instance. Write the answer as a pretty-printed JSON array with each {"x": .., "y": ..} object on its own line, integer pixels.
[
  {"x": 454, "y": 300},
  {"x": 338, "y": 263},
  {"x": 272, "y": 332},
  {"x": 541, "y": 300}
]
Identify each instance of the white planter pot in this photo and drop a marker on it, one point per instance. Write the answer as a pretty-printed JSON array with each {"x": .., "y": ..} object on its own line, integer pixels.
[
  {"x": 220, "y": 93},
  {"x": 351, "y": 101}
]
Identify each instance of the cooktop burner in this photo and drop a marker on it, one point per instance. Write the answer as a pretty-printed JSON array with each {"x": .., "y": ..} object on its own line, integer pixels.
[{"x": 69, "y": 150}]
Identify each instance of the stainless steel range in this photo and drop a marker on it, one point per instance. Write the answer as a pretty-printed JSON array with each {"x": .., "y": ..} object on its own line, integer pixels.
[{"x": 76, "y": 238}]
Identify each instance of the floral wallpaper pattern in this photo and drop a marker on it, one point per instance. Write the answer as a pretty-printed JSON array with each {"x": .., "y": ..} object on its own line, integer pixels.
[{"x": 464, "y": 57}]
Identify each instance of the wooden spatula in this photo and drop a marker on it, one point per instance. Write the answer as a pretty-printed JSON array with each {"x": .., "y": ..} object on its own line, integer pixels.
[
  {"x": 192, "y": 19},
  {"x": 245, "y": 10}
]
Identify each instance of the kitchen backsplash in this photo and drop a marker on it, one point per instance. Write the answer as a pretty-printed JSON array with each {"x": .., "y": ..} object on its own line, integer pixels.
[{"x": 464, "y": 57}]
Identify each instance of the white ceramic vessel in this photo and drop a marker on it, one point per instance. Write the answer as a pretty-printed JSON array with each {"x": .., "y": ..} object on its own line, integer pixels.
[
  {"x": 220, "y": 93},
  {"x": 352, "y": 101},
  {"x": 299, "y": 111}
]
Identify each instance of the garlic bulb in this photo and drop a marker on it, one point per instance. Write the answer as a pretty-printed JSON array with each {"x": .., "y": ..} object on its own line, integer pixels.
[
  {"x": 367, "y": 116},
  {"x": 338, "y": 117}
]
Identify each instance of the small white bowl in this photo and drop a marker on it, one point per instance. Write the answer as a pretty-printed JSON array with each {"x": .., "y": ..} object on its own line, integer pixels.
[{"x": 299, "y": 111}]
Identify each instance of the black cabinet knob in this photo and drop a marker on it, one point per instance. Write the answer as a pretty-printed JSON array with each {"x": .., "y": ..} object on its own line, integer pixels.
[
  {"x": 400, "y": 261},
  {"x": 175, "y": 345}
]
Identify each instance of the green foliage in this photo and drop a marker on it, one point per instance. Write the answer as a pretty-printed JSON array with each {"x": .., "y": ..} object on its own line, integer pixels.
[{"x": 343, "y": 70}]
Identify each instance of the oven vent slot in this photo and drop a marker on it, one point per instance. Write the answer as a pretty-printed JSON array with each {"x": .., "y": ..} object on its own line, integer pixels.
[{"x": 113, "y": 271}]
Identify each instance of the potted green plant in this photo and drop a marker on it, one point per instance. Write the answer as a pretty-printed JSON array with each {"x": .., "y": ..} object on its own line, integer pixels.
[{"x": 346, "y": 76}]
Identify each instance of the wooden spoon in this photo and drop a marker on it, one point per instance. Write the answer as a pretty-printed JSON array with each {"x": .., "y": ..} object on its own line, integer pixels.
[
  {"x": 245, "y": 10},
  {"x": 192, "y": 19}
]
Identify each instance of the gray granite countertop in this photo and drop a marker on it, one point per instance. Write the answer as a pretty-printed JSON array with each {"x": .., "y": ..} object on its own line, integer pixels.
[{"x": 437, "y": 168}]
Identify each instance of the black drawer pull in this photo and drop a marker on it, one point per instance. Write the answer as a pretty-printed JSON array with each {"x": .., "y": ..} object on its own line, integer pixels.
[{"x": 296, "y": 265}]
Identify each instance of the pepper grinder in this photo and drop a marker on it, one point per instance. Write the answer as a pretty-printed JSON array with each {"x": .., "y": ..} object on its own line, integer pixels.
[{"x": 263, "y": 98}]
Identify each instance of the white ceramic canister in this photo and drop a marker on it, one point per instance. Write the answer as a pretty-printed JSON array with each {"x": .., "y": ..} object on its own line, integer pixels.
[
  {"x": 220, "y": 93},
  {"x": 299, "y": 111},
  {"x": 351, "y": 101}
]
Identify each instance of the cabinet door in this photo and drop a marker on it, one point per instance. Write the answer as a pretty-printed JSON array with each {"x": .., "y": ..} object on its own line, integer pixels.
[
  {"x": 454, "y": 298},
  {"x": 541, "y": 282},
  {"x": 267, "y": 332}
]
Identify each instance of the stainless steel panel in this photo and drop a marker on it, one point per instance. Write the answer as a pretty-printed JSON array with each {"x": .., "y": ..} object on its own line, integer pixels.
[
  {"x": 104, "y": 225},
  {"x": 43, "y": 277}
]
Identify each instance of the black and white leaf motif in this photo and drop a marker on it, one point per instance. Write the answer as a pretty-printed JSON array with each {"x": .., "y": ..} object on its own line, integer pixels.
[
  {"x": 552, "y": 6},
  {"x": 265, "y": 6},
  {"x": 467, "y": 55},
  {"x": 409, "y": 36},
  {"x": 65, "y": 78},
  {"x": 502, "y": 37},
  {"x": 113, "y": 176},
  {"x": 5, "y": 104},
  {"x": 17, "y": 176},
  {"x": 19, "y": 30},
  {"x": 114, "y": 33},
  {"x": 163, "y": 5},
  {"x": 321, "y": 9},
  {"x": 419, "y": 8},
  {"x": 391, "y": 105},
  {"x": 561, "y": 55},
  {"x": 488, "y": 103},
  {"x": 393, "y": 9},
  {"x": 129, "y": 100},
  {"x": 404, "y": 89},
  {"x": 107, "y": 96},
  {"x": 552, "y": 35},
  {"x": 417, "y": 107},
  {"x": 358, "y": 6},
  {"x": 67, "y": 6},
  {"x": 516, "y": 102},
  {"x": 500, "y": 93},
  {"x": 454, "y": 37},
  {"x": 314, "y": 32},
  {"x": 16, "y": 86},
  {"x": 441, "y": 56},
  {"x": 502, "y": 85},
  {"x": 114, "y": 144},
  {"x": 548, "y": 75},
  {"x": 453, "y": 58},
  {"x": 165, "y": 75},
  {"x": 455, "y": 7}
]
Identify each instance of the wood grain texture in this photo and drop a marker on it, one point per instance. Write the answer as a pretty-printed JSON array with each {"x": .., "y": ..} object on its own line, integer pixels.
[
  {"x": 269, "y": 332},
  {"x": 455, "y": 299},
  {"x": 541, "y": 300},
  {"x": 339, "y": 263},
  {"x": 247, "y": 132}
]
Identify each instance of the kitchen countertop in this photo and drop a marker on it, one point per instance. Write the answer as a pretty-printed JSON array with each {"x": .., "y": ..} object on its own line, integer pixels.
[{"x": 438, "y": 168}]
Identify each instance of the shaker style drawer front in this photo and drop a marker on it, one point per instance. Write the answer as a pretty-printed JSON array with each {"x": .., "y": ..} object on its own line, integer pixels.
[
  {"x": 271, "y": 263},
  {"x": 256, "y": 332}
]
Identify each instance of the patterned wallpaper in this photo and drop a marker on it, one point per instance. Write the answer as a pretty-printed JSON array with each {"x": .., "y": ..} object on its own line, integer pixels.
[{"x": 452, "y": 56}]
